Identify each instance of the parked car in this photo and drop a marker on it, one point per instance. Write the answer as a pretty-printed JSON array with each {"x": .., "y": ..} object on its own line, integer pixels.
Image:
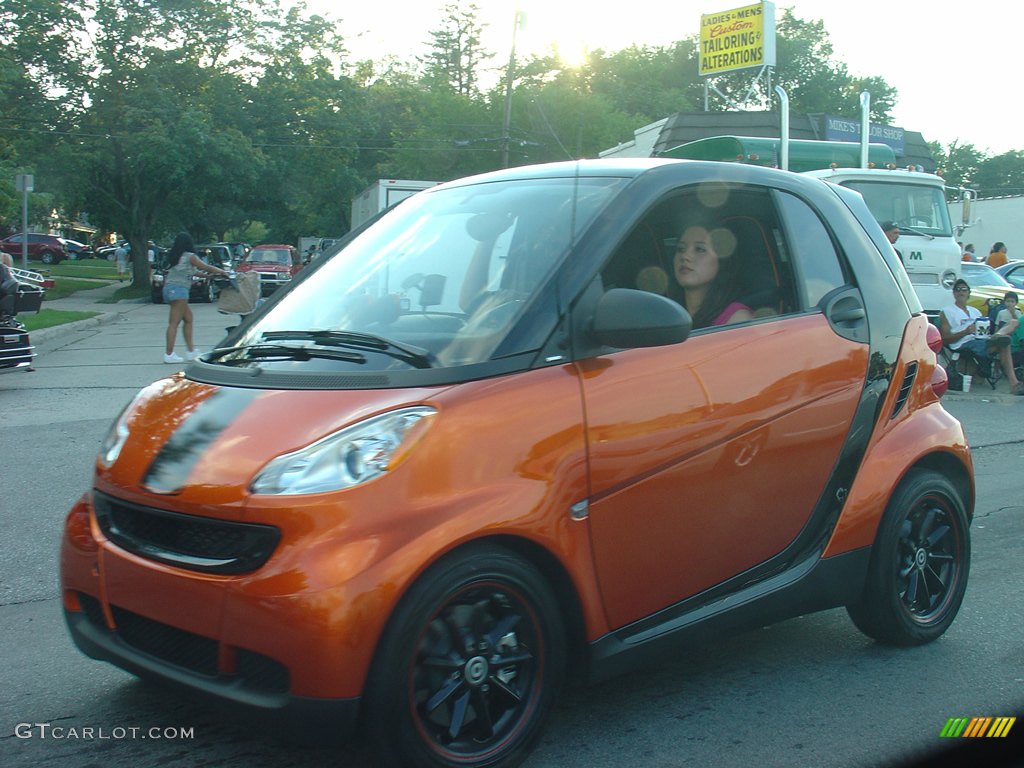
[
  {"x": 238, "y": 251},
  {"x": 48, "y": 249},
  {"x": 109, "y": 252},
  {"x": 78, "y": 251},
  {"x": 1013, "y": 273},
  {"x": 484, "y": 443},
  {"x": 987, "y": 286},
  {"x": 204, "y": 288},
  {"x": 276, "y": 265}
]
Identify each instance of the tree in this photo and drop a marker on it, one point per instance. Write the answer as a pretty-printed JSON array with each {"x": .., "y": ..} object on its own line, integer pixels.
[
  {"x": 958, "y": 162},
  {"x": 1000, "y": 175},
  {"x": 456, "y": 53}
]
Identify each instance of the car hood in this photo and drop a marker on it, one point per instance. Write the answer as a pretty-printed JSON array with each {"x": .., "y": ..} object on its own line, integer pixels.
[
  {"x": 204, "y": 444},
  {"x": 980, "y": 295},
  {"x": 257, "y": 267}
]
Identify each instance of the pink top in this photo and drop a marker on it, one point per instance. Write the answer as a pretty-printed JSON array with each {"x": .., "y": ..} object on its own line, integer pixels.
[{"x": 726, "y": 314}]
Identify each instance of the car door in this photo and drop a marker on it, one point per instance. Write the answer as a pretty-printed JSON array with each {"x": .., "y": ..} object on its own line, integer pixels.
[{"x": 708, "y": 457}]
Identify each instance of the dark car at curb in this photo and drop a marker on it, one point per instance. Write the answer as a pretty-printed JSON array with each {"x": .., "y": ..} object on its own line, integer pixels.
[
  {"x": 204, "y": 288},
  {"x": 483, "y": 448}
]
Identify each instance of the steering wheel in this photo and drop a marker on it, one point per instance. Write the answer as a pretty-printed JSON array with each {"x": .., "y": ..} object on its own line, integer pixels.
[{"x": 494, "y": 318}]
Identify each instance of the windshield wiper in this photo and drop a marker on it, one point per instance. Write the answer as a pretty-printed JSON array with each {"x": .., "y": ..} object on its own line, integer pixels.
[
  {"x": 281, "y": 352},
  {"x": 911, "y": 230},
  {"x": 417, "y": 357}
]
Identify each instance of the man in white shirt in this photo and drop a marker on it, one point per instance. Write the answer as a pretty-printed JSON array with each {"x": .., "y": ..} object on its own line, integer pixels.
[{"x": 960, "y": 325}]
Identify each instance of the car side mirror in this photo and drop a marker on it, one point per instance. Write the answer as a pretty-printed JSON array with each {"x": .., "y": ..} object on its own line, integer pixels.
[{"x": 626, "y": 318}]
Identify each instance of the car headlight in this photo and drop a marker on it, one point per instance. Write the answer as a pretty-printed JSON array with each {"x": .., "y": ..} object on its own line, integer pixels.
[{"x": 349, "y": 457}]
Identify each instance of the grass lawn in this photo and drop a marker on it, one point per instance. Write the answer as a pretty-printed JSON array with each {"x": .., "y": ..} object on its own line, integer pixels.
[
  {"x": 94, "y": 269},
  {"x": 47, "y": 318},
  {"x": 64, "y": 287}
]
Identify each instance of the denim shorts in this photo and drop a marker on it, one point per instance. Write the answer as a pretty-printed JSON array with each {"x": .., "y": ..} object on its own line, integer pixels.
[{"x": 175, "y": 293}]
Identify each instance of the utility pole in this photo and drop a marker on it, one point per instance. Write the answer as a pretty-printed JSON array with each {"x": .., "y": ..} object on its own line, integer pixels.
[
  {"x": 24, "y": 183},
  {"x": 509, "y": 74}
]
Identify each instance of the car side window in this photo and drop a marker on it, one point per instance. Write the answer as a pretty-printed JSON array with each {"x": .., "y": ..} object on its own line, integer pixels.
[
  {"x": 817, "y": 264},
  {"x": 734, "y": 230}
]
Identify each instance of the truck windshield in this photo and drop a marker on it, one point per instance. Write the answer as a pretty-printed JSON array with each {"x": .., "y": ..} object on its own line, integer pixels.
[
  {"x": 448, "y": 272},
  {"x": 917, "y": 208}
]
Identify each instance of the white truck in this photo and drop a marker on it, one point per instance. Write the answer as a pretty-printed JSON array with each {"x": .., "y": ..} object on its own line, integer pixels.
[
  {"x": 991, "y": 220},
  {"x": 916, "y": 202},
  {"x": 382, "y": 194}
]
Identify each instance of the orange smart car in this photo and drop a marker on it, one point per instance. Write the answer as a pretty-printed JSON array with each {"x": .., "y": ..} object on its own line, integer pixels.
[{"x": 551, "y": 419}]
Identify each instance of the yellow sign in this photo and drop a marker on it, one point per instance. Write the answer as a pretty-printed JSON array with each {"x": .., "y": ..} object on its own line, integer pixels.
[{"x": 737, "y": 39}]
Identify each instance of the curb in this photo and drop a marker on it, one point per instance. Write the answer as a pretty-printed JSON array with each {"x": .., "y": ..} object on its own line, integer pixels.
[{"x": 43, "y": 334}]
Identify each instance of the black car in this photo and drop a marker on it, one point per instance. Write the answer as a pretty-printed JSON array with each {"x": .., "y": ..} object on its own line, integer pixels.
[{"x": 203, "y": 288}]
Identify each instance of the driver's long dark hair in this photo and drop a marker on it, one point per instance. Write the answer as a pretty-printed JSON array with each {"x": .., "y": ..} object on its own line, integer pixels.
[
  {"x": 182, "y": 244},
  {"x": 724, "y": 289}
]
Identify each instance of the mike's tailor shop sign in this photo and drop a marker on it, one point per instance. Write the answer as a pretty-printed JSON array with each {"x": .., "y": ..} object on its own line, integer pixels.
[
  {"x": 841, "y": 129},
  {"x": 737, "y": 39}
]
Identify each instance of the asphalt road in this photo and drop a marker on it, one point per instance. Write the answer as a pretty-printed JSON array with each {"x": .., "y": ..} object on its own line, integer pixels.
[{"x": 811, "y": 691}]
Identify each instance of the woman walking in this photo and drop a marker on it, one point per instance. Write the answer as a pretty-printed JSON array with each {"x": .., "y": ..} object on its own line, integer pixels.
[{"x": 182, "y": 264}]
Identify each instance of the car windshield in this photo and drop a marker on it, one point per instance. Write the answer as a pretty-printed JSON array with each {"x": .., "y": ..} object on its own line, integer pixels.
[
  {"x": 269, "y": 256},
  {"x": 446, "y": 274},
  {"x": 982, "y": 274},
  {"x": 918, "y": 209}
]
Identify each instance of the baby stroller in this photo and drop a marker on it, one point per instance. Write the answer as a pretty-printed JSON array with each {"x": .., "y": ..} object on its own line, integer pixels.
[{"x": 239, "y": 294}]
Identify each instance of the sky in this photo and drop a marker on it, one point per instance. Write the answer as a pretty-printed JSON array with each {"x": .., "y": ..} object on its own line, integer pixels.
[{"x": 952, "y": 64}]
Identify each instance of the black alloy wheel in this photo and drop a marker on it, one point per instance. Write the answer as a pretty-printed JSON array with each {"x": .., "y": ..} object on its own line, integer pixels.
[
  {"x": 920, "y": 564},
  {"x": 469, "y": 667}
]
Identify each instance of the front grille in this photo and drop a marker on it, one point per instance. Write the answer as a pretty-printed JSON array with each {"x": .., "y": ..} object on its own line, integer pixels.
[
  {"x": 92, "y": 609},
  {"x": 176, "y": 646},
  {"x": 187, "y": 541},
  {"x": 261, "y": 672},
  {"x": 187, "y": 650}
]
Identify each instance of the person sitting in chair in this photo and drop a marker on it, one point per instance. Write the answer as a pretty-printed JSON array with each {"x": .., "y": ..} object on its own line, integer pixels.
[
  {"x": 8, "y": 287},
  {"x": 959, "y": 325}
]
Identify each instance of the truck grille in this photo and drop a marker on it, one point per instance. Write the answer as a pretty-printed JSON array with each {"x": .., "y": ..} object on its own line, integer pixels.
[{"x": 187, "y": 541}]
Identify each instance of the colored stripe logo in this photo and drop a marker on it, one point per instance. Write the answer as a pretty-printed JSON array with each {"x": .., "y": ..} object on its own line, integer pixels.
[{"x": 975, "y": 727}]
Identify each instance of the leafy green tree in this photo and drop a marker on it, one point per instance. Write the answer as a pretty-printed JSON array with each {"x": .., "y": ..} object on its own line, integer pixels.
[
  {"x": 456, "y": 53},
  {"x": 958, "y": 162},
  {"x": 305, "y": 117},
  {"x": 1000, "y": 175}
]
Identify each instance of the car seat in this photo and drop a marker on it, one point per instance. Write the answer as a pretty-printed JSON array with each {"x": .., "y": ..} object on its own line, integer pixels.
[{"x": 761, "y": 283}]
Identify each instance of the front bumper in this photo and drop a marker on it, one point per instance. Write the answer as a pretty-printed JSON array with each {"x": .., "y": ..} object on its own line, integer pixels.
[
  {"x": 247, "y": 686},
  {"x": 267, "y": 638}
]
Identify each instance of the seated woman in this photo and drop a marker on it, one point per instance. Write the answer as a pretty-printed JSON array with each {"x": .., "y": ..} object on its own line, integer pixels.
[
  {"x": 8, "y": 287},
  {"x": 706, "y": 269}
]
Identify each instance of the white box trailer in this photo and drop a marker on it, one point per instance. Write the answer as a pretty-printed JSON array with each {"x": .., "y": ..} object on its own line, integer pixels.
[
  {"x": 382, "y": 194},
  {"x": 992, "y": 220}
]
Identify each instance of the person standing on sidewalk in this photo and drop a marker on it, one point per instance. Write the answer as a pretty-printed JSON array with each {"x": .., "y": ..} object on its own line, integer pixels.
[
  {"x": 121, "y": 257},
  {"x": 182, "y": 264}
]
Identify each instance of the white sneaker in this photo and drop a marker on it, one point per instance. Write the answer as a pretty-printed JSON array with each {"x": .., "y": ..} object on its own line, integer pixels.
[
  {"x": 173, "y": 358},
  {"x": 193, "y": 354}
]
